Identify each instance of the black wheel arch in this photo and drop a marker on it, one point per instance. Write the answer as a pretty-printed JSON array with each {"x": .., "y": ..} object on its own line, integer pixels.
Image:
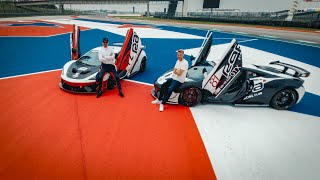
[{"x": 283, "y": 89}]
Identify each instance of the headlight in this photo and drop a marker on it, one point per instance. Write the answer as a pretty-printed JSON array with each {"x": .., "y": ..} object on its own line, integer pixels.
[{"x": 62, "y": 72}]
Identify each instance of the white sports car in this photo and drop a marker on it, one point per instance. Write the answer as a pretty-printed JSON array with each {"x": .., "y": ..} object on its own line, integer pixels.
[{"x": 80, "y": 75}]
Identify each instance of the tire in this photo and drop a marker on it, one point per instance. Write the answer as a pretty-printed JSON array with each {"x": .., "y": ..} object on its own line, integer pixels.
[
  {"x": 111, "y": 83},
  {"x": 143, "y": 64},
  {"x": 190, "y": 96},
  {"x": 284, "y": 99}
]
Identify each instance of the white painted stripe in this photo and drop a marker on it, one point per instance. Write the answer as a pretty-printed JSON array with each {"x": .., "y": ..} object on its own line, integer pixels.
[
  {"x": 280, "y": 40},
  {"x": 234, "y": 38},
  {"x": 41, "y": 72},
  {"x": 268, "y": 36},
  {"x": 138, "y": 82},
  {"x": 303, "y": 41},
  {"x": 248, "y": 40},
  {"x": 8, "y": 77},
  {"x": 240, "y": 32},
  {"x": 248, "y": 143}
]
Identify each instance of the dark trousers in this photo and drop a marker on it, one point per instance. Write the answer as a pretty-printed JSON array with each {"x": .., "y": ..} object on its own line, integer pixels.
[
  {"x": 107, "y": 68},
  {"x": 167, "y": 88}
]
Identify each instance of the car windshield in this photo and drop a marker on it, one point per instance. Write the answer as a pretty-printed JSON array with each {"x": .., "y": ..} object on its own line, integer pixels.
[
  {"x": 197, "y": 71},
  {"x": 90, "y": 58}
]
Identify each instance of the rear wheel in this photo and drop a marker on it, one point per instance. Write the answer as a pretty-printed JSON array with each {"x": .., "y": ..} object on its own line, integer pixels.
[
  {"x": 284, "y": 99},
  {"x": 190, "y": 96},
  {"x": 143, "y": 64}
]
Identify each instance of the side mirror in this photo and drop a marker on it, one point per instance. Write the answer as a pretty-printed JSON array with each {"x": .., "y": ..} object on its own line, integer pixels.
[
  {"x": 192, "y": 58},
  {"x": 74, "y": 50}
]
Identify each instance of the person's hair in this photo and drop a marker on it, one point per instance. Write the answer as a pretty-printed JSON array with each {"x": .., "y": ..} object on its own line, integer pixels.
[
  {"x": 181, "y": 51},
  {"x": 105, "y": 39}
]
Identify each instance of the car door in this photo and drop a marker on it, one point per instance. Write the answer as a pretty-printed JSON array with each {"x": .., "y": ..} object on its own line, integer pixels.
[
  {"x": 224, "y": 73},
  {"x": 204, "y": 50},
  {"x": 129, "y": 53}
]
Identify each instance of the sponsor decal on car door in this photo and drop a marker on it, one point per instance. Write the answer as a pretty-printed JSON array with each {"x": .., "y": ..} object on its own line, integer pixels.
[
  {"x": 129, "y": 53},
  {"x": 225, "y": 71},
  {"x": 136, "y": 48}
]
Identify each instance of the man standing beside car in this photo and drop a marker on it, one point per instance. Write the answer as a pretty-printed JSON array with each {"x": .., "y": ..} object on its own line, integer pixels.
[
  {"x": 179, "y": 74},
  {"x": 107, "y": 58}
]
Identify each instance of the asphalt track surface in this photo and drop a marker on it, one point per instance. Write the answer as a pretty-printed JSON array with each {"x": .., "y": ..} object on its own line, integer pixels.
[{"x": 47, "y": 133}]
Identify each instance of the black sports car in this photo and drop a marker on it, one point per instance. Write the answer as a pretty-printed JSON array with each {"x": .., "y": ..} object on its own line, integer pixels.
[{"x": 227, "y": 81}]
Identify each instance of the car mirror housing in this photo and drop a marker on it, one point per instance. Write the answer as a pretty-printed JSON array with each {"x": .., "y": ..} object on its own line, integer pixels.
[{"x": 192, "y": 57}]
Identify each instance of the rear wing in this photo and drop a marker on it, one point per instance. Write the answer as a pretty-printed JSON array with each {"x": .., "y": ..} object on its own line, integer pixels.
[{"x": 298, "y": 72}]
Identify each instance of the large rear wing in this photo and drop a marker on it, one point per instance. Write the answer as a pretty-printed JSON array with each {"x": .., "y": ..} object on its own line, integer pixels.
[{"x": 298, "y": 72}]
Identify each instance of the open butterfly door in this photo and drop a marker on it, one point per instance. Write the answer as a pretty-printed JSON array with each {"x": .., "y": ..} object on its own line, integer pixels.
[
  {"x": 74, "y": 42},
  {"x": 129, "y": 54},
  {"x": 225, "y": 71}
]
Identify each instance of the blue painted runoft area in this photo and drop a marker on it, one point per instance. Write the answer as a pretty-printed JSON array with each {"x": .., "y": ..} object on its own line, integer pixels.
[
  {"x": 308, "y": 105},
  {"x": 35, "y": 24},
  {"x": 23, "y": 55},
  {"x": 93, "y": 38},
  {"x": 307, "y": 54}
]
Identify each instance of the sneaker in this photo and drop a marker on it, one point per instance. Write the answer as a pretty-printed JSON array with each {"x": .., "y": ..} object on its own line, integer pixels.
[
  {"x": 161, "y": 107},
  {"x": 156, "y": 102},
  {"x": 99, "y": 94}
]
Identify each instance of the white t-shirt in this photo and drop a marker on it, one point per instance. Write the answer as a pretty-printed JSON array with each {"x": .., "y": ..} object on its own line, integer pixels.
[
  {"x": 181, "y": 65},
  {"x": 106, "y": 55}
]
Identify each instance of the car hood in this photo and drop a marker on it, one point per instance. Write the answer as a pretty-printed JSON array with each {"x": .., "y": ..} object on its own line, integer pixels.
[{"x": 78, "y": 70}]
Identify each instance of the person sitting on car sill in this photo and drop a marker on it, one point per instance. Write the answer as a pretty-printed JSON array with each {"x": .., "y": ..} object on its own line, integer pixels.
[{"x": 173, "y": 83}]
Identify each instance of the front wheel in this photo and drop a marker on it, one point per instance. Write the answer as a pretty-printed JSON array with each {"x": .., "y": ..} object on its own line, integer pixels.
[
  {"x": 190, "y": 96},
  {"x": 284, "y": 99}
]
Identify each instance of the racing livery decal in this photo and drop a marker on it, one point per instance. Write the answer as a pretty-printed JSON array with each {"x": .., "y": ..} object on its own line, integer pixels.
[{"x": 225, "y": 71}]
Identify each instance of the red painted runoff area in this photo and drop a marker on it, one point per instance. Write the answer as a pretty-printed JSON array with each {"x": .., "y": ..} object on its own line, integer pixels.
[{"x": 47, "y": 133}]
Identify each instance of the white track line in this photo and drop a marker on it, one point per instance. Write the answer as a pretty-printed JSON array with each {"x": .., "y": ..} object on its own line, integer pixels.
[
  {"x": 303, "y": 41},
  {"x": 8, "y": 77}
]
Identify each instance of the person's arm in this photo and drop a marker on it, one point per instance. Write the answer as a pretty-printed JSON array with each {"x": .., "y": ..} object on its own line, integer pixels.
[
  {"x": 175, "y": 69},
  {"x": 107, "y": 59},
  {"x": 111, "y": 56},
  {"x": 101, "y": 58},
  {"x": 181, "y": 70}
]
